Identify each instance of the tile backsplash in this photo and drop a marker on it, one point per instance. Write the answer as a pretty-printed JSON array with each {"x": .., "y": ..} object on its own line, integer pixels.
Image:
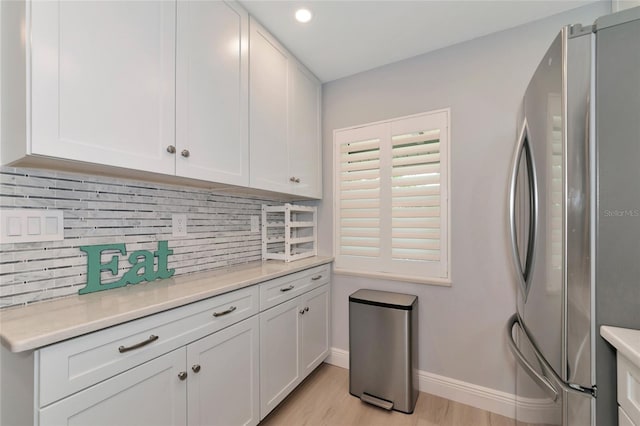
[{"x": 104, "y": 210}]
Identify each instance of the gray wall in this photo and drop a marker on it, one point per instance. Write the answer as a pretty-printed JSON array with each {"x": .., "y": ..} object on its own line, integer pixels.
[{"x": 482, "y": 81}]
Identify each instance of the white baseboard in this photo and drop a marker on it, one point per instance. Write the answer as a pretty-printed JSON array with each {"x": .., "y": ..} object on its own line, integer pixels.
[
  {"x": 338, "y": 357},
  {"x": 495, "y": 401}
]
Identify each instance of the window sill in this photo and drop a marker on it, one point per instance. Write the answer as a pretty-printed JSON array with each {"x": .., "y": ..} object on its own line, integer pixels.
[{"x": 442, "y": 282}]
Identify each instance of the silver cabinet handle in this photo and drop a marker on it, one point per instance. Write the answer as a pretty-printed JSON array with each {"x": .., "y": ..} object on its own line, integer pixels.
[
  {"x": 195, "y": 368},
  {"x": 316, "y": 278},
  {"x": 152, "y": 338},
  {"x": 306, "y": 309},
  {"x": 185, "y": 153},
  {"x": 228, "y": 311},
  {"x": 294, "y": 179},
  {"x": 171, "y": 149},
  {"x": 301, "y": 311},
  {"x": 182, "y": 375},
  {"x": 291, "y": 287}
]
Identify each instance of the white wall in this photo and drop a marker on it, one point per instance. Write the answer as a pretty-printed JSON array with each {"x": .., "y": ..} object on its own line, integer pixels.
[{"x": 461, "y": 327}]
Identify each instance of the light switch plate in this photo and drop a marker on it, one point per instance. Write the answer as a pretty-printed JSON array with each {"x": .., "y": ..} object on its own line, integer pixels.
[{"x": 31, "y": 225}]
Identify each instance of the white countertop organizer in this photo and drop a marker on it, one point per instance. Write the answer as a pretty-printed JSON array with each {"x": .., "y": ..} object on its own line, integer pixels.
[{"x": 289, "y": 232}]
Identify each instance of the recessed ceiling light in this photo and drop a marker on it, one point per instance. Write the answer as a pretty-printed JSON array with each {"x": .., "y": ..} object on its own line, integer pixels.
[{"x": 303, "y": 15}]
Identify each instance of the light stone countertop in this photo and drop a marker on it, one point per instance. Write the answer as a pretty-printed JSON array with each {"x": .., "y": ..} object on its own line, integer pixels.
[
  {"x": 39, "y": 324},
  {"x": 625, "y": 340}
]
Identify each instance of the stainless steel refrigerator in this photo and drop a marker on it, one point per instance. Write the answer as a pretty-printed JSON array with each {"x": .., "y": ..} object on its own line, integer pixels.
[{"x": 574, "y": 209}]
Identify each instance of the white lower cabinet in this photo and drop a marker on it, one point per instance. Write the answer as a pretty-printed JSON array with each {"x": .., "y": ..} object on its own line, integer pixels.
[
  {"x": 294, "y": 340},
  {"x": 315, "y": 329},
  {"x": 628, "y": 389},
  {"x": 223, "y": 377},
  {"x": 212, "y": 381},
  {"x": 623, "y": 418},
  {"x": 227, "y": 361},
  {"x": 150, "y": 394},
  {"x": 279, "y": 354}
]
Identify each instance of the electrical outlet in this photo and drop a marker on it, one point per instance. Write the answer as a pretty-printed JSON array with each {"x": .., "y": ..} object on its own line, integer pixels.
[
  {"x": 255, "y": 223},
  {"x": 179, "y": 225}
]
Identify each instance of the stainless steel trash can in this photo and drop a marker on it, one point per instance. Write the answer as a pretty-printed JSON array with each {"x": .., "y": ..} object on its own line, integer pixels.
[{"x": 383, "y": 349}]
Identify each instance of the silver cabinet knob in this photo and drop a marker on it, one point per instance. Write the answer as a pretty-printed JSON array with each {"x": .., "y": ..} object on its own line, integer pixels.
[
  {"x": 185, "y": 153},
  {"x": 182, "y": 375},
  {"x": 171, "y": 149},
  {"x": 301, "y": 311},
  {"x": 306, "y": 309},
  {"x": 195, "y": 368},
  {"x": 294, "y": 179}
]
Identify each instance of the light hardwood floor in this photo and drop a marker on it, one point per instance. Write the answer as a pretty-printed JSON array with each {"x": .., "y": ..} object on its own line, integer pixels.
[{"x": 324, "y": 399}]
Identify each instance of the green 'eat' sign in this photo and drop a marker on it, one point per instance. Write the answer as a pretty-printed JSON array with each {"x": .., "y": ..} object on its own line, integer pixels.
[{"x": 142, "y": 266}]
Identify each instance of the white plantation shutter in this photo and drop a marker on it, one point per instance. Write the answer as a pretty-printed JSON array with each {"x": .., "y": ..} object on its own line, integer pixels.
[
  {"x": 415, "y": 196},
  {"x": 391, "y": 206},
  {"x": 360, "y": 198}
]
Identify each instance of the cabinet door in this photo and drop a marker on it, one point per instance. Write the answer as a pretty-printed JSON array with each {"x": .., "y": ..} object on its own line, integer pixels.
[
  {"x": 103, "y": 82},
  {"x": 279, "y": 354},
  {"x": 212, "y": 92},
  {"x": 305, "y": 155},
  {"x": 150, "y": 394},
  {"x": 315, "y": 328},
  {"x": 268, "y": 116},
  {"x": 223, "y": 377}
]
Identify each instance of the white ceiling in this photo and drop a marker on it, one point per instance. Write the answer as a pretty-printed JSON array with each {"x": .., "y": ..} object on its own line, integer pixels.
[{"x": 350, "y": 36}]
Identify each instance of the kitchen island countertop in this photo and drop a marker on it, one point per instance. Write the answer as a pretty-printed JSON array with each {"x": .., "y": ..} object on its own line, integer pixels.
[{"x": 39, "y": 324}]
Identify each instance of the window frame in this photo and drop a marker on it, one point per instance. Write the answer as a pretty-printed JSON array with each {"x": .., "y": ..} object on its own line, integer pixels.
[{"x": 342, "y": 265}]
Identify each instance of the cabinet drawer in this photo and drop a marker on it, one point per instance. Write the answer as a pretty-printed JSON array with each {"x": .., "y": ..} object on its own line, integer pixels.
[
  {"x": 75, "y": 364},
  {"x": 629, "y": 388},
  {"x": 285, "y": 288}
]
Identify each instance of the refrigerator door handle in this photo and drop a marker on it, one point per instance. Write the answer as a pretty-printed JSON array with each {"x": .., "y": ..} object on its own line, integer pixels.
[
  {"x": 524, "y": 276},
  {"x": 543, "y": 381}
]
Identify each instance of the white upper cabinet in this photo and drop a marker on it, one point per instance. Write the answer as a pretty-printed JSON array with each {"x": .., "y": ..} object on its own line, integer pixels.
[
  {"x": 103, "y": 82},
  {"x": 284, "y": 119},
  {"x": 194, "y": 89},
  {"x": 305, "y": 156},
  {"x": 269, "y": 114},
  {"x": 212, "y": 93}
]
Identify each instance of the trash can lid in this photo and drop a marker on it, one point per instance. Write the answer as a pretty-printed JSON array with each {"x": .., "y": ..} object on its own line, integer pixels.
[{"x": 384, "y": 298}]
